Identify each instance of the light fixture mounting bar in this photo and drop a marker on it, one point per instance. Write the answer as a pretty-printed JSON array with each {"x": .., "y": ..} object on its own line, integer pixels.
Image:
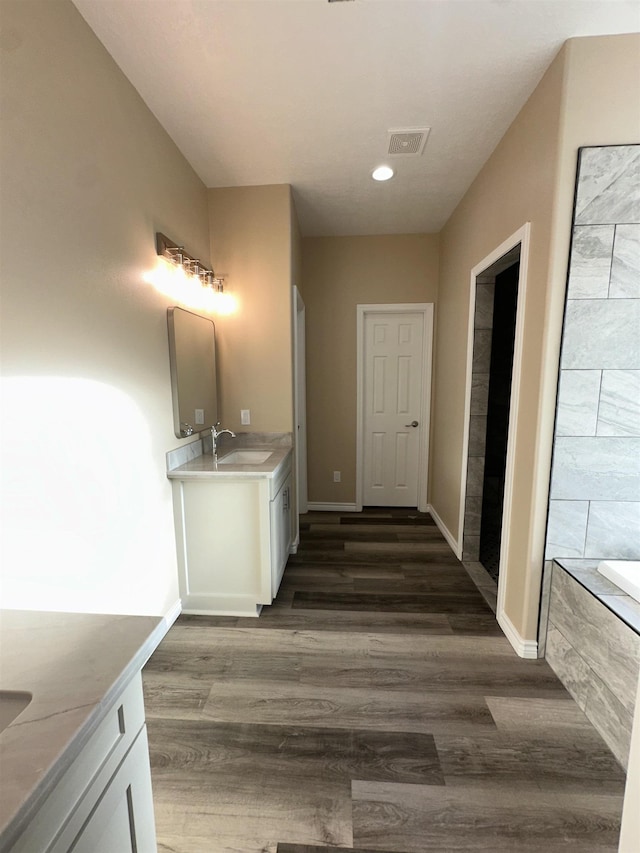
[{"x": 166, "y": 248}]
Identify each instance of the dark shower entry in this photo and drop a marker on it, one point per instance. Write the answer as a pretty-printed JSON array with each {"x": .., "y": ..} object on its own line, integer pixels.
[{"x": 502, "y": 348}]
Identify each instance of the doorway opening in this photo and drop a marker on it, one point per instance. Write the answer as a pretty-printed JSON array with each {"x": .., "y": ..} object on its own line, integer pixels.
[
  {"x": 502, "y": 332},
  {"x": 494, "y": 325},
  {"x": 300, "y": 408},
  {"x": 489, "y": 438}
]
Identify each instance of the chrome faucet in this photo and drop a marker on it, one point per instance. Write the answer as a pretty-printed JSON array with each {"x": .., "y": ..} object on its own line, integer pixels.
[{"x": 215, "y": 435}]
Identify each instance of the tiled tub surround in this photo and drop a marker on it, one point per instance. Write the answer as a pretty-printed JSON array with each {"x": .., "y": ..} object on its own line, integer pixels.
[
  {"x": 594, "y": 500},
  {"x": 593, "y": 645},
  {"x": 594, "y": 510}
]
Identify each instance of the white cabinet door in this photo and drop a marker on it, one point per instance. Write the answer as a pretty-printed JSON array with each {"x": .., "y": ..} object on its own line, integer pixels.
[
  {"x": 280, "y": 533},
  {"x": 123, "y": 819}
]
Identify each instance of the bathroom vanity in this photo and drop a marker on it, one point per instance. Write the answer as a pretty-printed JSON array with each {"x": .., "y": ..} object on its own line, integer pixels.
[
  {"x": 73, "y": 750},
  {"x": 234, "y": 521}
]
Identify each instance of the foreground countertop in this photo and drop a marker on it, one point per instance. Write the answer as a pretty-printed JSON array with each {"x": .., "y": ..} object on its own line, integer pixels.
[
  {"x": 206, "y": 466},
  {"x": 74, "y": 665}
]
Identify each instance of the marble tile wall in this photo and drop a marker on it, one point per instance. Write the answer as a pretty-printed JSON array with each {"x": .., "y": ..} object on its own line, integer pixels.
[
  {"x": 594, "y": 509},
  {"x": 483, "y": 330}
]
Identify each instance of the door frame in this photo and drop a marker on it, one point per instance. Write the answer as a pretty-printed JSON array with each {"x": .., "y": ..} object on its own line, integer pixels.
[
  {"x": 299, "y": 407},
  {"x": 425, "y": 309},
  {"x": 522, "y": 237}
]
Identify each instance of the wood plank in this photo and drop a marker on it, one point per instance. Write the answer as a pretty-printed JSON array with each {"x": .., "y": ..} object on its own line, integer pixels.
[
  {"x": 252, "y": 812},
  {"x": 398, "y": 603},
  {"x": 198, "y": 844},
  {"x": 473, "y": 623},
  {"x": 562, "y": 763},
  {"x": 418, "y": 818},
  {"x": 428, "y": 546},
  {"x": 313, "y": 755},
  {"x": 340, "y": 707},
  {"x": 384, "y": 520},
  {"x": 308, "y": 848},
  {"x": 437, "y": 583},
  {"x": 373, "y": 557},
  {"x": 354, "y": 621},
  {"x": 440, "y": 674}
]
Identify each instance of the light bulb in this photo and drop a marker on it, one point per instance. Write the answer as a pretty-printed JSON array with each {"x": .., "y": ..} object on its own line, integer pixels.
[{"x": 382, "y": 173}]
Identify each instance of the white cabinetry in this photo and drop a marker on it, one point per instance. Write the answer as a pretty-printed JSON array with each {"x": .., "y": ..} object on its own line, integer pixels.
[
  {"x": 233, "y": 537},
  {"x": 103, "y": 802}
]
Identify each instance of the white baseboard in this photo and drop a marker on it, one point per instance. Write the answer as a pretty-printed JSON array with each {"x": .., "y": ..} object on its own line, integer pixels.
[
  {"x": 523, "y": 648},
  {"x": 442, "y": 527},
  {"x": 215, "y": 611},
  {"x": 326, "y": 507},
  {"x": 172, "y": 613},
  {"x": 293, "y": 548}
]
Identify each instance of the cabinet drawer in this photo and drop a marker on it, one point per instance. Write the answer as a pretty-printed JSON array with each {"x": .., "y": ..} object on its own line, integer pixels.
[{"x": 69, "y": 804}]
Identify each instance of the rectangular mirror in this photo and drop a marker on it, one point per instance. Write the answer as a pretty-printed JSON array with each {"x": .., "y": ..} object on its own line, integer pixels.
[{"x": 192, "y": 357}]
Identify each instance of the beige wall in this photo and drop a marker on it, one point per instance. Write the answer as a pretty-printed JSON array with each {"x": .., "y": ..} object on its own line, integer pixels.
[
  {"x": 87, "y": 176},
  {"x": 339, "y": 273},
  {"x": 251, "y": 242},
  {"x": 585, "y": 97}
]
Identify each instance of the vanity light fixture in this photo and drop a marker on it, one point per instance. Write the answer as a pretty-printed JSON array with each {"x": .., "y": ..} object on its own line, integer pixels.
[
  {"x": 184, "y": 278},
  {"x": 176, "y": 254},
  {"x": 382, "y": 173}
]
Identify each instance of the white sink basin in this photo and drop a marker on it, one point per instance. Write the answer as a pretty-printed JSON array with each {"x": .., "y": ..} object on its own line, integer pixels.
[
  {"x": 12, "y": 703},
  {"x": 245, "y": 457}
]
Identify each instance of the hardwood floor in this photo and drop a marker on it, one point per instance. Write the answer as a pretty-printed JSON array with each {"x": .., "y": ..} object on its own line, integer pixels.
[{"x": 375, "y": 706}]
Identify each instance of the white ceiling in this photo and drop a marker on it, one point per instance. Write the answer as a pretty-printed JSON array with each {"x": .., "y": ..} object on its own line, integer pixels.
[{"x": 305, "y": 91}]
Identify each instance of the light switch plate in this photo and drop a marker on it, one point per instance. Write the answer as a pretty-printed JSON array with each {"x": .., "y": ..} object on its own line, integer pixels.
[
  {"x": 245, "y": 416},
  {"x": 199, "y": 416}
]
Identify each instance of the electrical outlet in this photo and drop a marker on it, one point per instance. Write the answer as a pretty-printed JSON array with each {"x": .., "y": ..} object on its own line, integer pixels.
[
  {"x": 336, "y": 476},
  {"x": 199, "y": 419},
  {"x": 245, "y": 416}
]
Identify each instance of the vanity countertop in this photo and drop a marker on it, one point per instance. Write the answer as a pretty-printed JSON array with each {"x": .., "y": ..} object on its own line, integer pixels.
[
  {"x": 206, "y": 467},
  {"x": 74, "y": 665}
]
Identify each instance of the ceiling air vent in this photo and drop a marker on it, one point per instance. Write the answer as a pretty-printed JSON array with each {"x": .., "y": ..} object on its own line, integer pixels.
[{"x": 409, "y": 140}]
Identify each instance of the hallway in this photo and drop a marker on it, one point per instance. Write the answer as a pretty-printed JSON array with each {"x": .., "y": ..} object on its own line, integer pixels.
[{"x": 375, "y": 705}]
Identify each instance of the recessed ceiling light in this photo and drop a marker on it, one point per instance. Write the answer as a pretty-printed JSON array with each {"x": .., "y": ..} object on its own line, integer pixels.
[{"x": 382, "y": 173}]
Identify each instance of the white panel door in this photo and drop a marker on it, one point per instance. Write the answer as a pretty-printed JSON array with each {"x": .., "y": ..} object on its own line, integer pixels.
[{"x": 393, "y": 388}]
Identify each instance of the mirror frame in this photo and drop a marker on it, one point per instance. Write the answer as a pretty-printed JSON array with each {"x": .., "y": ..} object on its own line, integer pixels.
[{"x": 182, "y": 421}]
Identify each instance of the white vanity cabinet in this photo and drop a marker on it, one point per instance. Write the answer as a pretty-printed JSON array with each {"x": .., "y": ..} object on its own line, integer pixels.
[
  {"x": 233, "y": 534},
  {"x": 103, "y": 803}
]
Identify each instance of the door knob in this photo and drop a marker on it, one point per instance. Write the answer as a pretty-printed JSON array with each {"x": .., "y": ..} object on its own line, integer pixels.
[{"x": 412, "y": 424}]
